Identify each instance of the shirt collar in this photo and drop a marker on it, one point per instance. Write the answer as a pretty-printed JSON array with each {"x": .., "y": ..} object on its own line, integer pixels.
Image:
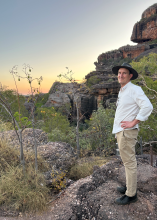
[{"x": 125, "y": 86}]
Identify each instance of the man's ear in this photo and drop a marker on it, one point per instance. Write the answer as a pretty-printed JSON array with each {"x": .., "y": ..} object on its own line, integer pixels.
[{"x": 131, "y": 75}]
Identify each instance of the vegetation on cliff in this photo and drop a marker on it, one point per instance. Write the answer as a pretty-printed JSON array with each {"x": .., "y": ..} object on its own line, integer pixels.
[{"x": 147, "y": 69}]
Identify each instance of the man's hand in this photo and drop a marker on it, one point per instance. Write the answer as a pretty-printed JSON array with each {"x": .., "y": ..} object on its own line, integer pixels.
[{"x": 129, "y": 124}]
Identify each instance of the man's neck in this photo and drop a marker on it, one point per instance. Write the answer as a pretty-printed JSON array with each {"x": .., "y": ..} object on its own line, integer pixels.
[{"x": 122, "y": 85}]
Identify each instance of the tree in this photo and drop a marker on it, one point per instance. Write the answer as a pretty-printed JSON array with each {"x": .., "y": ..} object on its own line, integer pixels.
[
  {"x": 6, "y": 106},
  {"x": 3, "y": 101},
  {"x": 69, "y": 76}
]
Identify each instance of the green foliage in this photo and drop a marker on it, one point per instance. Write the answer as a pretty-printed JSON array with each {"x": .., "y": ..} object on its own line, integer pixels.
[
  {"x": 98, "y": 135},
  {"x": 95, "y": 135},
  {"x": 110, "y": 80},
  {"x": 23, "y": 121},
  {"x": 125, "y": 60},
  {"x": 147, "y": 69},
  {"x": 12, "y": 100},
  {"x": 92, "y": 81},
  {"x": 146, "y": 20},
  {"x": 153, "y": 42},
  {"x": 116, "y": 62},
  {"x": 53, "y": 120},
  {"x": 42, "y": 99},
  {"x": 69, "y": 136}
]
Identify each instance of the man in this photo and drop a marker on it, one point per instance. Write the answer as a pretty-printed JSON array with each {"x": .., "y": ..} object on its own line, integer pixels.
[{"x": 133, "y": 106}]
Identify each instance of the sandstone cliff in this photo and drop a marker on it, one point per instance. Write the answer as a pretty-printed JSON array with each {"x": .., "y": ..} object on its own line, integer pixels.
[{"x": 146, "y": 29}]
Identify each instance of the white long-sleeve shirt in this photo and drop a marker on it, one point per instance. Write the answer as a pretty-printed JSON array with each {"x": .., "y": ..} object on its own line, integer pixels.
[{"x": 132, "y": 103}]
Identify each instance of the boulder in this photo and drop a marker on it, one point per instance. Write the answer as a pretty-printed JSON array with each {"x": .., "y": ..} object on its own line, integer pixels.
[
  {"x": 114, "y": 54},
  {"x": 59, "y": 155},
  {"x": 63, "y": 87},
  {"x": 57, "y": 99}
]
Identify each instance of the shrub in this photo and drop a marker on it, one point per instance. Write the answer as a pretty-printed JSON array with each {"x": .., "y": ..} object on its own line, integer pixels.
[
  {"x": 92, "y": 81},
  {"x": 53, "y": 120},
  {"x": 99, "y": 134},
  {"x": 58, "y": 135},
  {"x": 42, "y": 99},
  {"x": 147, "y": 69},
  {"x": 58, "y": 180},
  {"x": 11, "y": 98}
]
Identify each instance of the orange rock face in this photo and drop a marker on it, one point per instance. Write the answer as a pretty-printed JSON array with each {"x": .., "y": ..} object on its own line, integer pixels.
[
  {"x": 133, "y": 51},
  {"x": 123, "y": 52},
  {"x": 146, "y": 29},
  {"x": 150, "y": 11}
]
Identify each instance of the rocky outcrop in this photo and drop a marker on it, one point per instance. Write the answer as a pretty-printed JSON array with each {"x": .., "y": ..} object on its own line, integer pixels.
[
  {"x": 127, "y": 51},
  {"x": 27, "y": 138},
  {"x": 63, "y": 87},
  {"x": 57, "y": 99},
  {"x": 146, "y": 29},
  {"x": 133, "y": 51},
  {"x": 61, "y": 94},
  {"x": 113, "y": 54},
  {"x": 59, "y": 155},
  {"x": 67, "y": 93},
  {"x": 93, "y": 197},
  {"x": 146, "y": 53},
  {"x": 152, "y": 10},
  {"x": 107, "y": 87}
]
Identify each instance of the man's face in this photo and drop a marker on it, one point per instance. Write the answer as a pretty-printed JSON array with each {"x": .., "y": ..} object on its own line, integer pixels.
[{"x": 124, "y": 76}]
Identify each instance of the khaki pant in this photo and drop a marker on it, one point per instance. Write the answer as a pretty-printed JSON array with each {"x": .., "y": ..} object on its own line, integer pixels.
[{"x": 126, "y": 142}]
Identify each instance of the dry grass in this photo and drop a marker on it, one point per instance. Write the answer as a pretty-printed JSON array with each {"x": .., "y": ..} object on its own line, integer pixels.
[
  {"x": 5, "y": 126},
  {"x": 84, "y": 167},
  {"x": 8, "y": 156},
  {"x": 19, "y": 190},
  {"x": 23, "y": 191}
]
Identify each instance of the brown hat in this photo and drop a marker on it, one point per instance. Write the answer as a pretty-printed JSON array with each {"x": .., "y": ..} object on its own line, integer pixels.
[{"x": 126, "y": 66}]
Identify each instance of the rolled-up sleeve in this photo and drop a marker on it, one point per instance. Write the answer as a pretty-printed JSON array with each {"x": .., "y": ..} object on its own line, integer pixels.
[{"x": 144, "y": 104}]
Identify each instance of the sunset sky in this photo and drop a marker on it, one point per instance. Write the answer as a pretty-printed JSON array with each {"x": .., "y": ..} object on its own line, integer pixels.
[{"x": 50, "y": 35}]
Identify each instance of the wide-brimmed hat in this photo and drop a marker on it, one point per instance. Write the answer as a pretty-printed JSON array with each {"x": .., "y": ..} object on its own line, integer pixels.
[{"x": 126, "y": 66}]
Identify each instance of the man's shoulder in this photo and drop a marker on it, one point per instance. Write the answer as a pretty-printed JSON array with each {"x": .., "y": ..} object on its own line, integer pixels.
[{"x": 135, "y": 88}]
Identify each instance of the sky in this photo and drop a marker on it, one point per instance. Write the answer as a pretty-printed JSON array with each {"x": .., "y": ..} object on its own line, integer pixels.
[{"x": 51, "y": 35}]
